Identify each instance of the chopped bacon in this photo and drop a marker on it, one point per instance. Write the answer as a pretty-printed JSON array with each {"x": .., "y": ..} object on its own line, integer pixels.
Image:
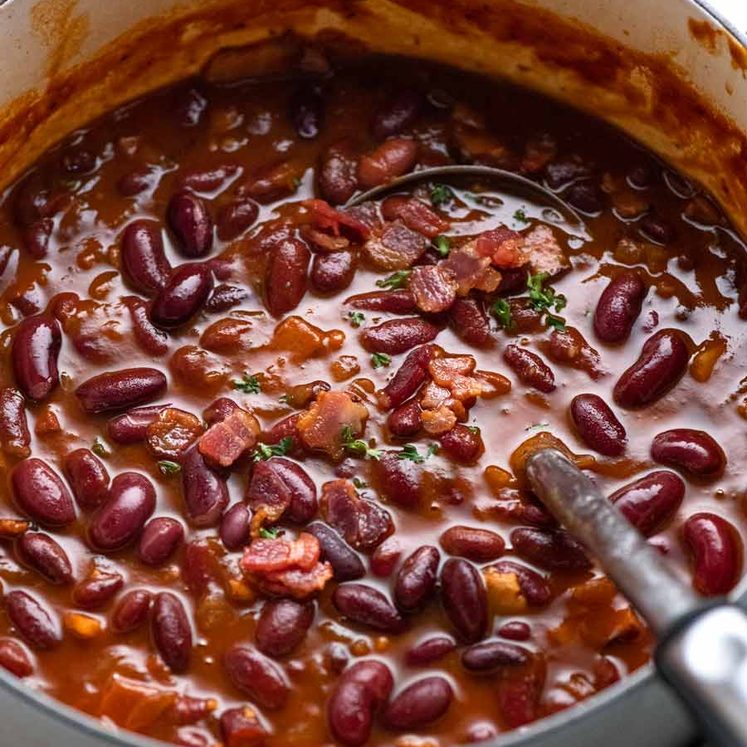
[
  {"x": 320, "y": 427},
  {"x": 226, "y": 441},
  {"x": 297, "y": 583},
  {"x": 324, "y": 241},
  {"x": 438, "y": 421},
  {"x": 544, "y": 252},
  {"x": 504, "y": 247},
  {"x": 453, "y": 373},
  {"x": 172, "y": 433},
  {"x": 434, "y": 396},
  {"x": 415, "y": 214},
  {"x": 336, "y": 222},
  {"x": 471, "y": 270},
  {"x": 433, "y": 287},
  {"x": 363, "y": 524},
  {"x": 396, "y": 247}
]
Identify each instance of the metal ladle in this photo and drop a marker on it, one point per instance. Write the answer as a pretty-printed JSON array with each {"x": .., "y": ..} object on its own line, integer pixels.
[{"x": 702, "y": 644}]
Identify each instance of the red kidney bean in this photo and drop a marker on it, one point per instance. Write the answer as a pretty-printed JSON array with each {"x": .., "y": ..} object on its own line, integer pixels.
[
  {"x": 97, "y": 590},
  {"x": 190, "y": 221},
  {"x": 36, "y": 237},
  {"x": 408, "y": 378},
  {"x": 597, "y": 425},
  {"x": 205, "y": 491},
  {"x": 392, "y": 158},
  {"x": 171, "y": 631},
  {"x": 136, "y": 181},
  {"x": 14, "y": 658},
  {"x": 358, "y": 695},
  {"x": 280, "y": 481},
  {"x": 256, "y": 676},
  {"x": 480, "y": 545},
  {"x": 462, "y": 444},
  {"x": 44, "y": 554},
  {"x": 419, "y": 704},
  {"x": 470, "y": 322},
  {"x": 367, "y": 606},
  {"x": 15, "y": 438},
  {"x": 515, "y": 631},
  {"x": 241, "y": 727},
  {"x": 530, "y": 368},
  {"x": 400, "y": 480},
  {"x": 619, "y": 307},
  {"x": 131, "y": 611},
  {"x": 399, "y": 301},
  {"x": 235, "y": 218},
  {"x": 119, "y": 390},
  {"x": 650, "y": 502},
  {"x": 307, "y": 111},
  {"x": 285, "y": 278},
  {"x": 34, "y": 621},
  {"x": 143, "y": 259},
  {"x": 489, "y": 655},
  {"x": 553, "y": 549},
  {"x": 183, "y": 296},
  {"x": 661, "y": 364},
  {"x": 690, "y": 450},
  {"x": 208, "y": 179},
  {"x": 235, "y": 526},
  {"x": 534, "y": 587},
  {"x": 385, "y": 557},
  {"x": 346, "y": 565},
  {"x": 34, "y": 352},
  {"x": 405, "y": 420},
  {"x": 88, "y": 478},
  {"x": 151, "y": 339},
  {"x": 225, "y": 297},
  {"x": 282, "y": 626},
  {"x": 464, "y": 599},
  {"x": 337, "y": 174},
  {"x": 429, "y": 650},
  {"x": 333, "y": 271},
  {"x": 132, "y": 426},
  {"x": 398, "y": 335},
  {"x": 132, "y": 499},
  {"x": 396, "y": 114},
  {"x": 160, "y": 539},
  {"x": 41, "y": 494},
  {"x": 716, "y": 550},
  {"x": 416, "y": 579}
]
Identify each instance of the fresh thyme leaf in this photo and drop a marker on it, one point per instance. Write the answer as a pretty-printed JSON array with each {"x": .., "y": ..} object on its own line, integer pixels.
[
  {"x": 167, "y": 468},
  {"x": 537, "y": 426},
  {"x": 358, "y": 446},
  {"x": 521, "y": 216},
  {"x": 441, "y": 194},
  {"x": 473, "y": 429},
  {"x": 378, "y": 360},
  {"x": 395, "y": 280},
  {"x": 268, "y": 534},
  {"x": 356, "y": 318},
  {"x": 442, "y": 245},
  {"x": 247, "y": 384},
  {"x": 543, "y": 299},
  {"x": 284, "y": 398},
  {"x": 556, "y": 322},
  {"x": 360, "y": 484},
  {"x": 501, "y": 310},
  {"x": 267, "y": 451},
  {"x": 99, "y": 448},
  {"x": 410, "y": 452},
  {"x": 432, "y": 449}
]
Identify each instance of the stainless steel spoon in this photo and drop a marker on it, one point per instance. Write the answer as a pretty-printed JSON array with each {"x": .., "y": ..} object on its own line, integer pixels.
[{"x": 702, "y": 644}]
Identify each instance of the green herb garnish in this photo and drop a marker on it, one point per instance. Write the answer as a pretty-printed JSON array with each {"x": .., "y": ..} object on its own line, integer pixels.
[
  {"x": 359, "y": 484},
  {"x": 473, "y": 429},
  {"x": 167, "y": 468},
  {"x": 556, "y": 322},
  {"x": 378, "y": 360},
  {"x": 247, "y": 384},
  {"x": 395, "y": 280},
  {"x": 543, "y": 299},
  {"x": 537, "y": 426},
  {"x": 520, "y": 216},
  {"x": 442, "y": 245},
  {"x": 441, "y": 194},
  {"x": 410, "y": 452},
  {"x": 267, "y": 451},
  {"x": 268, "y": 534},
  {"x": 356, "y": 318},
  {"x": 501, "y": 310},
  {"x": 99, "y": 448},
  {"x": 358, "y": 446}
]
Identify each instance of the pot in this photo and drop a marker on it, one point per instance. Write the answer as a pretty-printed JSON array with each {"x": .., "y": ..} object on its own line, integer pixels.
[{"x": 676, "y": 80}]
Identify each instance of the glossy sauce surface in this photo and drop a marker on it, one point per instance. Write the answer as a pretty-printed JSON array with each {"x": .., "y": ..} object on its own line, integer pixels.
[{"x": 249, "y": 156}]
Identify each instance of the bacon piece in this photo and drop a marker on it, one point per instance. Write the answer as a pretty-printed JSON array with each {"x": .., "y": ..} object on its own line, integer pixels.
[
  {"x": 438, "y": 421},
  {"x": 323, "y": 241},
  {"x": 363, "y": 524},
  {"x": 336, "y": 222},
  {"x": 227, "y": 440},
  {"x": 296, "y": 583},
  {"x": 396, "y": 247},
  {"x": 544, "y": 253},
  {"x": 504, "y": 247},
  {"x": 320, "y": 427},
  {"x": 470, "y": 270},
  {"x": 433, "y": 287},
  {"x": 172, "y": 433},
  {"x": 453, "y": 373},
  {"x": 415, "y": 214}
]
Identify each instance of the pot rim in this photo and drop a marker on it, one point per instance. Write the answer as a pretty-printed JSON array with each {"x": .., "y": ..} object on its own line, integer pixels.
[{"x": 521, "y": 737}]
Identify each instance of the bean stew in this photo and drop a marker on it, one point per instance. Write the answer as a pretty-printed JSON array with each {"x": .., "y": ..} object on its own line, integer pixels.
[{"x": 263, "y": 453}]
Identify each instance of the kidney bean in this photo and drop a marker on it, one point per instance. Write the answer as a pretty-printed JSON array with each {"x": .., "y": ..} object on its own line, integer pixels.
[
  {"x": 235, "y": 526},
  {"x": 207, "y": 179},
  {"x": 534, "y": 587},
  {"x": 416, "y": 579},
  {"x": 480, "y": 545},
  {"x": 280, "y": 481},
  {"x": 136, "y": 182},
  {"x": 716, "y": 550},
  {"x": 15, "y": 438},
  {"x": 358, "y": 695},
  {"x": 44, "y": 554},
  {"x": 241, "y": 727},
  {"x": 34, "y": 352},
  {"x": 651, "y": 501},
  {"x": 132, "y": 426},
  {"x": 597, "y": 425},
  {"x": 385, "y": 557},
  {"x": 97, "y": 590},
  {"x": 396, "y": 114},
  {"x": 120, "y": 390},
  {"x": 408, "y": 378},
  {"x": 489, "y": 655},
  {"x": 205, "y": 491},
  {"x": 619, "y": 306},
  {"x": 34, "y": 621},
  {"x": 236, "y": 217},
  {"x": 405, "y": 420},
  {"x": 143, "y": 259},
  {"x": 553, "y": 549},
  {"x": 367, "y": 606},
  {"x": 429, "y": 650},
  {"x": 661, "y": 364},
  {"x": 14, "y": 658},
  {"x": 282, "y": 626},
  {"x": 655, "y": 228},
  {"x": 88, "y": 478},
  {"x": 333, "y": 271},
  {"x": 151, "y": 339},
  {"x": 400, "y": 301},
  {"x": 256, "y": 676},
  {"x": 392, "y": 158},
  {"x": 225, "y": 297},
  {"x": 337, "y": 173},
  {"x": 131, "y": 611},
  {"x": 36, "y": 237},
  {"x": 400, "y": 480},
  {"x": 172, "y": 634},
  {"x": 190, "y": 221},
  {"x": 398, "y": 335},
  {"x": 307, "y": 111},
  {"x": 464, "y": 599},
  {"x": 160, "y": 539},
  {"x": 470, "y": 322},
  {"x": 285, "y": 278},
  {"x": 41, "y": 494},
  {"x": 419, "y": 704},
  {"x": 690, "y": 450},
  {"x": 183, "y": 296},
  {"x": 132, "y": 499},
  {"x": 346, "y": 565},
  {"x": 530, "y": 368},
  {"x": 462, "y": 444},
  {"x": 515, "y": 631}
]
